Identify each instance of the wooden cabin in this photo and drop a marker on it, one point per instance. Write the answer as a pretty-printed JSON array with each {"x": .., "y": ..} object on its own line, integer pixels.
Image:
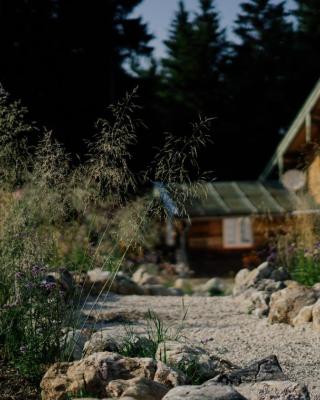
[
  {"x": 232, "y": 221},
  {"x": 236, "y": 219}
]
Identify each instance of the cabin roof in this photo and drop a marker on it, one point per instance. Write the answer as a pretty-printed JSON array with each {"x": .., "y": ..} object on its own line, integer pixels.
[
  {"x": 300, "y": 132},
  {"x": 243, "y": 198}
]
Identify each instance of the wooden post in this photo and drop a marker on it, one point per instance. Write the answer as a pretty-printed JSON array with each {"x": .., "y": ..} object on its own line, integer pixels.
[{"x": 308, "y": 125}]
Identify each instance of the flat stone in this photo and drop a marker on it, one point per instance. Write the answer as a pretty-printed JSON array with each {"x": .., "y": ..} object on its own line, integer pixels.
[
  {"x": 261, "y": 370},
  {"x": 212, "y": 391},
  {"x": 274, "y": 390},
  {"x": 182, "y": 355}
]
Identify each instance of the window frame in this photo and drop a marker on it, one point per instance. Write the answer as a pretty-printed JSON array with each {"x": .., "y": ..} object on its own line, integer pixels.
[{"x": 239, "y": 241}]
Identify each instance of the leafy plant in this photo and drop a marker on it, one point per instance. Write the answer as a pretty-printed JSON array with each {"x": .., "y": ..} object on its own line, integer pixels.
[
  {"x": 298, "y": 249},
  {"x": 31, "y": 326},
  {"x": 91, "y": 215},
  {"x": 156, "y": 332},
  {"x": 305, "y": 266},
  {"x": 192, "y": 372}
]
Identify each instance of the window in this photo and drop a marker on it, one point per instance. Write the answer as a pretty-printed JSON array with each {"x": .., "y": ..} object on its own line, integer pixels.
[{"x": 237, "y": 232}]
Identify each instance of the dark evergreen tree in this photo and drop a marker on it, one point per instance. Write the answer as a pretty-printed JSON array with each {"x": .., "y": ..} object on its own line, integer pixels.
[
  {"x": 191, "y": 69},
  {"x": 65, "y": 59},
  {"x": 261, "y": 84},
  {"x": 210, "y": 49},
  {"x": 177, "y": 66},
  {"x": 308, "y": 43}
]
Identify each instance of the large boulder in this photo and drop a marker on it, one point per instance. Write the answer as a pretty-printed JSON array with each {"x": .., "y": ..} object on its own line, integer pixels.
[
  {"x": 147, "y": 274},
  {"x": 137, "y": 388},
  {"x": 98, "y": 280},
  {"x": 212, "y": 391},
  {"x": 285, "y": 304},
  {"x": 213, "y": 287},
  {"x": 271, "y": 390},
  {"x": 303, "y": 317},
  {"x": 240, "y": 281},
  {"x": 95, "y": 373},
  {"x": 92, "y": 374},
  {"x": 100, "y": 341},
  {"x": 183, "y": 356},
  {"x": 254, "y": 302},
  {"x": 246, "y": 279},
  {"x": 168, "y": 376},
  {"x": 316, "y": 316}
]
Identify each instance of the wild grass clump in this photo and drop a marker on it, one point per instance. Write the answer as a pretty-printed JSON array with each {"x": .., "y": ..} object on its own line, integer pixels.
[
  {"x": 53, "y": 215},
  {"x": 156, "y": 332},
  {"x": 31, "y": 326}
]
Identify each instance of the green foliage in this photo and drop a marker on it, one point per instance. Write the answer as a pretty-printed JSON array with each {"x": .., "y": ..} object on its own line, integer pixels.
[
  {"x": 304, "y": 265},
  {"x": 14, "y": 132},
  {"x": 31, "y": 325},
  {"x": 192, "y": 372},
  {"x": 156, "y": 332},
  {"x": 261, "y": 63},
  {"x": 83, "y": 217},
  {"x": 195, "y": 49},
  {"x": 298, "y": 250}
]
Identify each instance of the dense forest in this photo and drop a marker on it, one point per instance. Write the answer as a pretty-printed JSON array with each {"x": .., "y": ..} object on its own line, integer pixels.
[{"x": 67, "y": 60}]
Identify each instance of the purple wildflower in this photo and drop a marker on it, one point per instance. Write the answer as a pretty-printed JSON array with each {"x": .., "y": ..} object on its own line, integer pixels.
[
  {"x": 23, "y": 349},
  {"x": 272, "y": 257},
  {"x": 48, "y": 285},
  {"x": 36, "y": 271}
]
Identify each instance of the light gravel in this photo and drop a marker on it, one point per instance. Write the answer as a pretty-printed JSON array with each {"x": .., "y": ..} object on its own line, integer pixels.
[{"x": 219, "y": 325}]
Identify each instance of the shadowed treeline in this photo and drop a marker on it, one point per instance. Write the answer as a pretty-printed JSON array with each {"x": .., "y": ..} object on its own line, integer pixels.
[{"x": 67, "y": 60}]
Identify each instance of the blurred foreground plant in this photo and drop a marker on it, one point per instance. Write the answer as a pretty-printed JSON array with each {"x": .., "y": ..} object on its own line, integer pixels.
[
  {"x": 31, "y": 325},
  {"x": 81, "y": 217}
]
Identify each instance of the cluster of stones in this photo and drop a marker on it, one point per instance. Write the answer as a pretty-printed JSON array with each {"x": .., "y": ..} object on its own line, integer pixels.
[
  {"x": 102, "y": 373},
  {"x": 145, "y": 281},
  {"x": 149, "y": 281},
  {"x": 267, "y": 291}
]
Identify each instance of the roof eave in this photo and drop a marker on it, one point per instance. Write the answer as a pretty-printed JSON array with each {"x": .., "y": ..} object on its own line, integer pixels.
[{"x": 291, "y": 133}]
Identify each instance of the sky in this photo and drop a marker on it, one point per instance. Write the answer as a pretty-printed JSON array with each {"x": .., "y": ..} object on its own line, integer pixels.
[{"x": 158, "y": 14}]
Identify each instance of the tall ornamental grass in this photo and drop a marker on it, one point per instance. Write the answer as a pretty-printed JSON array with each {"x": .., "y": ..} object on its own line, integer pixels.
[{"x": 56, "y": 217}]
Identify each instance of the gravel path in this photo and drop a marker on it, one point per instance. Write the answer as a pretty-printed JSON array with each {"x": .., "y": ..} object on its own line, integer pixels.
[{"x": 226, "y": 331}]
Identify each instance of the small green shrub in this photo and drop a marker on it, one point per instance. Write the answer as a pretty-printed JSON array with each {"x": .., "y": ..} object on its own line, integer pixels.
[
  {"x": 305, "y": 266},
  {"x": 133, "y": 345},
  {"x": 192, "y": 372},
  {"x": 156, "y": 332}
]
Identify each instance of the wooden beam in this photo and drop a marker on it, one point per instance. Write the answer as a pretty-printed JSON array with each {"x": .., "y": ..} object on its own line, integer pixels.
[{"x": 308, "y": 124}]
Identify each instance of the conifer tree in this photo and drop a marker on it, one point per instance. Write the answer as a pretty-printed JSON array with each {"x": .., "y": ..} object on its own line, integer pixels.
[
  {"x": 65, "y": 59},
  {"x": 260, "y": 81},
  {"x": 308, "y": 42},
  {"x": 191, "y": 70}
]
